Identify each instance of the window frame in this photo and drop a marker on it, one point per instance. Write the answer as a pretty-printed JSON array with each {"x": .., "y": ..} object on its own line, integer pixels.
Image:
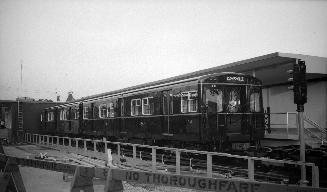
[
  {"x": 147, "y": 104},
  {"x": 135, "y": 107},
  {"x": 188, "y": 101},
  {"x": 85, "y": 112},
  {"x": 104, "y": 110}
]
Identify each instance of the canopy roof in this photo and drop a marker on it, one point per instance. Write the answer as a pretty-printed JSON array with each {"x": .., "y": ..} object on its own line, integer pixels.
[{"x": 271, "y": 69}]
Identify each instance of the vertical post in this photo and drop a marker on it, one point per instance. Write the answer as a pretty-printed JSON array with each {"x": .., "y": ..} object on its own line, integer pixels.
[
  {"x": 39, "y": 142},
  {"x": 105, "y": 145},
  {"x": 178, "y": 162},
  {"x": 58, "y": 140},
  {"x": 300, "y": 120},
  {"x": 251, "y": 169},
  {"x": 154, "y": 159},
  {"x": 76, "y": 144},
  {"x": 118, "y": 152},
  {"x": 48, "y": 140},
  {"x": 69, "y": 142},
  {"x": 52, "y": 140},
  {"x": 209, "y": 165},
  {"x": 315, "y": 176},
  {"x": 85, "y": 148},
  {"x": 287, "y": 123},
  {"x": 134, "y": 156},
  {"x": 109, "y": 158},
  {"x": 94, "y": 146}
]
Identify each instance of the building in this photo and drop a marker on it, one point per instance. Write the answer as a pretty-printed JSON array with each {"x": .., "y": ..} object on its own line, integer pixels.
[{"x": 22, "y": 115}]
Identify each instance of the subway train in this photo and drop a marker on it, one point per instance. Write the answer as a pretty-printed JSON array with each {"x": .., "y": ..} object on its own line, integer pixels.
[{"x": 214, "y": 112}]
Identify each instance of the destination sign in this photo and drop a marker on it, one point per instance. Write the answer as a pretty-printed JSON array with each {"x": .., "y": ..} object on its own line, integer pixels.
[{"x": 235, "y": 78}]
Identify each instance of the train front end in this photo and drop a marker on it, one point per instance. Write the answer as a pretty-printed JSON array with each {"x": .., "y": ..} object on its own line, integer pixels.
[{"x": 233, "y": 109}]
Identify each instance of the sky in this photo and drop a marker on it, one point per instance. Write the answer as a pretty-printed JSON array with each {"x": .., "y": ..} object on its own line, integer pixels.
[{"x": 91, "y": 47}]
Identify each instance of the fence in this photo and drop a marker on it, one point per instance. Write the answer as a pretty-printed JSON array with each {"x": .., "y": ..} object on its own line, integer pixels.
[{"x": 178, "y": 161}]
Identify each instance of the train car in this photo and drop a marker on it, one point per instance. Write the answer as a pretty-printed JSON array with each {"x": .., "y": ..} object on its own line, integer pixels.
[{"x": 216, "y": 112}]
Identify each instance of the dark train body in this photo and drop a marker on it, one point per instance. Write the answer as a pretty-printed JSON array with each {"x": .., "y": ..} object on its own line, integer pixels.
[{"x": 215, "y": 112}]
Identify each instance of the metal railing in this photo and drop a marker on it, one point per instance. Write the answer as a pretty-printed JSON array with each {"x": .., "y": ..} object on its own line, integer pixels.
[
  {"x": 138, "y": 153},
  {"x": 283, "y": 124},
  {"x": 286, "y": 125},
  {"x": 322, "y": 132}
]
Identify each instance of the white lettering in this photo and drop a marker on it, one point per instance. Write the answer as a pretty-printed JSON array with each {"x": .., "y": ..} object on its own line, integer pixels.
[{"x": 235, "y": 78}]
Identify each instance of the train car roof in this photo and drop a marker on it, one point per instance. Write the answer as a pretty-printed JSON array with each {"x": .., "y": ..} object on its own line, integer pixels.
[{"x": 263, "y": 67}]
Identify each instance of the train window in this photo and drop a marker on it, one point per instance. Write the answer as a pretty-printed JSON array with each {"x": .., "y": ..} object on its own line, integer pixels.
[
  {"x": 255, "y": 102},
  {"x": 136, "y": 107},
  {"x": 76, "y": 113},
  {"x": 233, "y": 101},
  {"x": 193, "y": 101},
  {"x": 85, "y": 112},
  {"x": 103, "y": 110},
  {"x": 67, "y": 114},
  {"x": 50, "y": 116},
  {"x": 184, "y": 98},
  {"x": 111, "y": 110},
  {"x": 214, "y": 100},
  {"x": 63, "y": 114},
  {"x": 189, "y": 101},
  {"x": 171, "y": 104},
  {"x": 147, "y": 106}
]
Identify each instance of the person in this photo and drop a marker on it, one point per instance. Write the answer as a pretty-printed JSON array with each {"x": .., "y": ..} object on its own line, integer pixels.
[{"x": 2, "y": 124}]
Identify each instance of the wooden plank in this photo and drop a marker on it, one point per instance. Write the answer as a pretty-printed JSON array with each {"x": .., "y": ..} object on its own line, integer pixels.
[{"x": 205, "y": 183}]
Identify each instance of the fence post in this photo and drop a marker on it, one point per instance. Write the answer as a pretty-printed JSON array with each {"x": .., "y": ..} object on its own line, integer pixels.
[
  {"x": 251, "y": 169},
  {"x": 118, "y": 153},
  {"x": 76, "y": 144},
  {"x": 178, "y": 162},
  {"x": 105, "y": 145},
  {"x": 69, "y": 142},
  {"x": 94, "y": 146},
  {"x": 109, "y": 158},
  {"x": 39, "y": 140},
  {"x": 134, "y": 156},
  {"x": 315, "y": 176},
  {"x": 58, "y": 141},
  {"x": 154, "y": 159},
  {"x": 209, "y": 165},
  {"x": 85, "y": 147}
]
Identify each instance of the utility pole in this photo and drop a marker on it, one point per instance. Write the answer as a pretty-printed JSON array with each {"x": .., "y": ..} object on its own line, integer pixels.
[{"x": 299, "y": 87}]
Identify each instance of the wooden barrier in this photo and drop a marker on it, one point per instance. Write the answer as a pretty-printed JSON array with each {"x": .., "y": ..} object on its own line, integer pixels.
[
  {"x": 10, "y": 178},
  {"x": 114, "y": 176}
]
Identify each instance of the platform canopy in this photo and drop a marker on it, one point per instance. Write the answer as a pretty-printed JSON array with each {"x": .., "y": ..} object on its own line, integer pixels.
[{"x": 271, "y": 69}]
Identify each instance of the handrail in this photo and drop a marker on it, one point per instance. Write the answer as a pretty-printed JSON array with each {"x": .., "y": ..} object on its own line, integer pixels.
[
  {"x": 308, "y": 120},
  {"x": 322, "y": 140},
  {"x": 323, "y": 132}
]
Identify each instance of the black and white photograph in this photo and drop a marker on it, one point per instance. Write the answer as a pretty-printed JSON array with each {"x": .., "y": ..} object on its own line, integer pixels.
[{"x": 163, "y": 95}]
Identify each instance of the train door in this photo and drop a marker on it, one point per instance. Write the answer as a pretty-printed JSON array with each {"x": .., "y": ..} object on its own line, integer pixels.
[
  {"x": 167, "y": 111},
  {"x": 122, "y": 131},
  {"x": 215, "y": 123}
]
